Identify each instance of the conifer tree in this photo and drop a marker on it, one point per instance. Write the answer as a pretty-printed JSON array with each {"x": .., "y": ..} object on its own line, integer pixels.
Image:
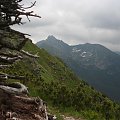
[{"x": 11, "y": 12}]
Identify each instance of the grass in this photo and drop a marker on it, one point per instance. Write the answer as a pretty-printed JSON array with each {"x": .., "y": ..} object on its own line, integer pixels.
[{"x": 47, "y": 69}]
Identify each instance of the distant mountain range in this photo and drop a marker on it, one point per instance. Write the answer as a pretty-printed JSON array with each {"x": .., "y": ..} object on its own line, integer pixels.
[{"x": 94, "y": 63}]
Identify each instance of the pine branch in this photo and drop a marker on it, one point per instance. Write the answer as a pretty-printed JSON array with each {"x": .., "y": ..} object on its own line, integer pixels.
[{"x": 11, "y": 11}]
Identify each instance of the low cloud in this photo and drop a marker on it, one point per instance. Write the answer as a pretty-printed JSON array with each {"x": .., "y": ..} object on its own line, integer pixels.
[{"x": 76, "y": 21}]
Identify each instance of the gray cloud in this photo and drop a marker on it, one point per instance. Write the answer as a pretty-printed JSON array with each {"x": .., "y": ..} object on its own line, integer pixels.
[
  {"x": 103, "y": 14},
  {"x": 76, "y": 21}
]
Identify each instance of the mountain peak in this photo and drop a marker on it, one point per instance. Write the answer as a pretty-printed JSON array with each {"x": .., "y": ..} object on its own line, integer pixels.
[
  {"x": 51, "y": 37},
  {"x": 95, "y": 63},
  {"x": 53, "y": 40},
  {"x": 87, "y": 43}
]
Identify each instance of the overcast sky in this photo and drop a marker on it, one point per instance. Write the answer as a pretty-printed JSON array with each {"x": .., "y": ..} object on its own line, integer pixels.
[{"x": 76, "y": 21}]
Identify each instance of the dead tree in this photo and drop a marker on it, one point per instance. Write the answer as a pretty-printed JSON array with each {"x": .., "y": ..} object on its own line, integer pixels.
[
  {"x": 11, "y": 12},
  {"x": 11, "y": 44}
]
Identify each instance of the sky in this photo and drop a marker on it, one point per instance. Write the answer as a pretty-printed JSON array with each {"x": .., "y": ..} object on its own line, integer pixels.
[{"x": 75, "y": 21}]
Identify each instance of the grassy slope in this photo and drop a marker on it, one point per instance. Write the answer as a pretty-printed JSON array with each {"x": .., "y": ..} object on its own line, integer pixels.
[{"x": 49, "y": 78}]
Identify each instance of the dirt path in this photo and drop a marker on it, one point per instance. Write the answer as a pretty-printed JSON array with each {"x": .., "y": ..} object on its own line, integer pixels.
[{"x": 70, "y": 118}]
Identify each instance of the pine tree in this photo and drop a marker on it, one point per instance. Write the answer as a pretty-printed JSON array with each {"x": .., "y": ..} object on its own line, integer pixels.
[{"x": 11, "y": 12}]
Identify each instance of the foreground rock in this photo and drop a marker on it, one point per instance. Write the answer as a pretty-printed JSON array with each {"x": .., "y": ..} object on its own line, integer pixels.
[{"x": 14, "y": 107}]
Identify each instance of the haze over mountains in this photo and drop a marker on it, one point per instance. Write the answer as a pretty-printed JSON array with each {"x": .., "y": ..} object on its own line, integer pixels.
[{"x": 94, "y": 63}]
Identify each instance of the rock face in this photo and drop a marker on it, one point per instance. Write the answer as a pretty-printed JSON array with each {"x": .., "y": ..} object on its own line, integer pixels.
[{"x": 21, "y": 108}]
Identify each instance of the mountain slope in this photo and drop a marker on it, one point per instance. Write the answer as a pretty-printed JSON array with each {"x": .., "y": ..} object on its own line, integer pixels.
[
  {"x": 94, "y": 63},
  {"x": 117, "y": 52},
  {"x": 49, "y": 78}
]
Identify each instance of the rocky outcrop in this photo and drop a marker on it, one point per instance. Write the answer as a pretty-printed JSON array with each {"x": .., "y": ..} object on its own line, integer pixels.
[{"x": 13, "y": 107}]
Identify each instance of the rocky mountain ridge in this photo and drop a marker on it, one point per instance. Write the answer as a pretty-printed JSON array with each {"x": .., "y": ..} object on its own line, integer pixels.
[{"x": 96, "y": 64}]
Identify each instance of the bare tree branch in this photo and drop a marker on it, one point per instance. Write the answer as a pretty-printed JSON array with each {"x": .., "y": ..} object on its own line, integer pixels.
[
  {"x": 4, "y": 76},
  {"x": 9, "y": 59},
  {"x": 33, "y": 4},
  {"x": 11, "y": 11},
  {"x": 8, "y": 54},
  {"x": 28, "y": 54},
  {"x": 17, "y": 89},
  {"x": 4, "y": 66}
]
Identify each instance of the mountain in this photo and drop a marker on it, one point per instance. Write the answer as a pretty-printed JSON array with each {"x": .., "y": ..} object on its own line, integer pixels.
[
  {"x": 50, "y": 79},
  {"x": 97, "y": 65},
  {"x": 117, "y": 52}
]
